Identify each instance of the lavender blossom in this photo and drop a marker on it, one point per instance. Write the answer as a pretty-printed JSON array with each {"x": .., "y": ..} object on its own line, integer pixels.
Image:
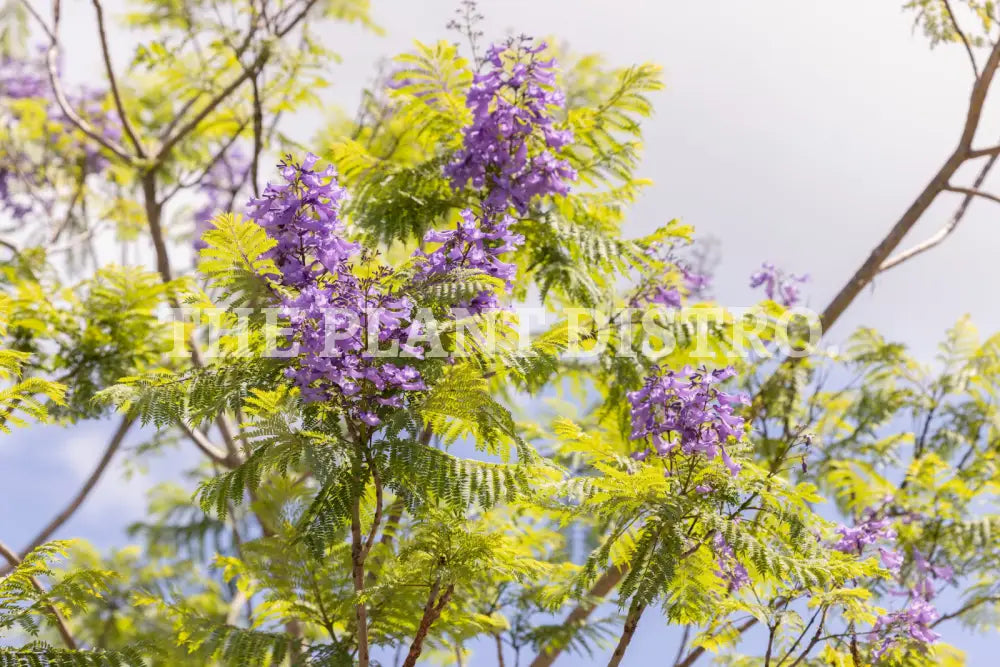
[
  {"x": 27, "y": 79},
  {"x": 778, "y": 285},
  {"x": 869, "y": 530},
  {"x": 510, "y": 148},
  {"x": 686, "y": 411},
  {"x": 912, "y": 622},
  {"x": 219, "y": 187},
  {"x": 330, "y": 310},
  {"x": 730, "y": 569},
  {"x": 475, "y": 244}
]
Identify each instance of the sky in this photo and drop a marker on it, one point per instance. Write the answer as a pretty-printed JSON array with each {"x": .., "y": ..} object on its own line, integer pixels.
[{"x": 794, "y": 131}]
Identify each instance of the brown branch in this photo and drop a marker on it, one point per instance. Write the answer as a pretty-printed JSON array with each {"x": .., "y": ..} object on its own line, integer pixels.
[
  {"x": 631, "y": 623},
  {"x": 870, "y": 268},
  {"x": 258, "y": 139},
  {"x": 799, "y": 639},
  {"x": 14, "y": 560},
  {"x": 113, "y": 81},
  {"x": 966, "y": 608},
  {"x": 62, "y": 102},
  {"x": 154, "y": 211},
  {"x": 358, "y": 575},
  {"x": 816, "y": 638},
  {"x": 253, "y": 70},
  {"x": 432, "y": 611},
  {"x": 945, "y": 231},
  {"x": 62, "y": 517},
  {"x": 206, "y": 447},
  {"x": 961, "y": 35},
  {"x": 984, "y": 152},
  {"x": 38, "y": 17},
  {"x": 601, "y": 588},
  {"x": 377, "y": 520},
  {"x": 972, "y": 192},
  {"x": 212, "y": 105},
  {"x": 226, "y": 431}
]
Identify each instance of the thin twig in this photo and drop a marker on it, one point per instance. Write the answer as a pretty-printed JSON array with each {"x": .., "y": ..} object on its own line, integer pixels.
[
  {"x": 113, "y": 81},
  {"x": 945, "y": 231},
  {"x": 972, "y": 192},
  {"x": 961, "y": 35},
  {"x": 64, "y": 105},
  {"x": 202, "y": 443}
]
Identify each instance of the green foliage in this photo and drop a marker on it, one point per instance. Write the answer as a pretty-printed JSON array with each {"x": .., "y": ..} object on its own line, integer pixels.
[{"x": 504, "y": 494}]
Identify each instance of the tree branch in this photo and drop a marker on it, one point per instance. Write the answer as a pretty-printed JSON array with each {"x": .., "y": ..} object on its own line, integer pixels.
[
  {"x": 212, "y": 105},
  {"x": 358, "y": 575},
  {"x": 870, "y": 268},
  {"x": 207, "y": 448},
  {"x": 972, "y": 192},
  {"x": 961, "y": 35},
  {"x": 432, "y": 611},
  {"x": 945, "y": 231},
  {"x": 601, "y": 588},
  {"x": 64, "y": 105},
  {"x": 969, "y": 606},
  {"x": 631, "y": 623},
  {"x": 113, "y": 81}
]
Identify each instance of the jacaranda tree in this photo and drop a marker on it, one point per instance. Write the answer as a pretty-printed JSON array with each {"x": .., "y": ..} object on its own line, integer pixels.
[{"x": 445, "y": 402}]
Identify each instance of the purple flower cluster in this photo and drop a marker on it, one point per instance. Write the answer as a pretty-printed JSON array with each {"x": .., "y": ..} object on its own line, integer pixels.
[
  {"x": 869, "y": 530},
  {"x": 778, "y": 285},
  {"x": 508, "y": 154},
  {"x": 331, "y": 310},
  {"x": 27, "y": 79},
  {"x": 670, "y": 296},
  {"x": 914, "y": 621},
  {"x": 219, "y": 188},
  {"x": 475, "y": 246},
  {"x": 730, "y": 569},
  {"x": 686, "y": 411},
  {"x": 22, "y": 79},
  {"x": 510, "y": 147}
]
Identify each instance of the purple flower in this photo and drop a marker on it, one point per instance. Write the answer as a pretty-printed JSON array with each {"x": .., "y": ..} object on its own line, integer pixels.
[
  {"x": 913, "y": 622},
  {"x": 219, "y": 187},
  {"x": 892, "y": 560},
  {"x": 509, "y": 149},
  {"x": 331, "y": 310},
  {"x": 730, "y": 569},
  {"x": 686, "y": 411},
  {"x": 68, "y": 149},
  {"x": 507, "y": 154},
  {"x": 476, "y": 244},
  {"x": 869, "y": 531},
  {"x": 704, "y": 488},
  {"x": 778, "y": 285}
]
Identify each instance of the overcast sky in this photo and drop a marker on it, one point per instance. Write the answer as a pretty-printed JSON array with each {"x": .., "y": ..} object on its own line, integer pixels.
[{"x": 796, "y": 131}]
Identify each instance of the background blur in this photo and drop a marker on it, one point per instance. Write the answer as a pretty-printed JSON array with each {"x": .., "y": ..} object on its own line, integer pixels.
[{"x": 793, "y": 131}]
